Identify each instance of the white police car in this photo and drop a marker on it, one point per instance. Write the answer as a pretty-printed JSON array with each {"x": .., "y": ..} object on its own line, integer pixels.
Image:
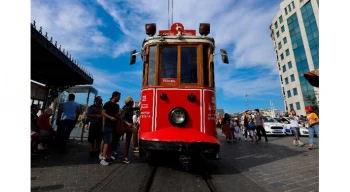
[{"x": 273, "y": 127}]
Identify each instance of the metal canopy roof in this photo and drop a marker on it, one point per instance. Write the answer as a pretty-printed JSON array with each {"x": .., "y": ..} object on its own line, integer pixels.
[{"x": 50, "y": 66}]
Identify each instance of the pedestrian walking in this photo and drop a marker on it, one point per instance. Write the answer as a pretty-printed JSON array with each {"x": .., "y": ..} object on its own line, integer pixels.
[
  {"x": 294, "y": 125},
  {"x": 259, "y": 123},
  {"x": 110, "y": 111},
  {"x": 245, "y": 124},
  {"x": 312, "y": 122},
  {"x": 236, "y": 130},
  {"x": 67, "y": 117},
  {"x": 225, "y": 126}
]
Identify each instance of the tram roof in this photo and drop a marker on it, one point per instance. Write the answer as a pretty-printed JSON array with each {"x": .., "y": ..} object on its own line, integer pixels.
[
  {"x": 50, "y": 66},
  {"x": 175, "y": 39}
]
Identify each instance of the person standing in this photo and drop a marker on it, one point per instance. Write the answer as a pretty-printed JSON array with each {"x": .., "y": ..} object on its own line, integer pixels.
[
  {"x": 259, "y": 123},
  {"x": 110, "y": 112},
  {"x": 251, "y": 127},
  {"x": 312, "y": 120},
  {"x": 226, "y": 127},
  {"x": 294, "y": 125},
  {"x": 67, "y": 117},
  {"x": 95, "y": 130},
  {"x": 131, "y": 131},
  {"x": 245, "y": 124}
]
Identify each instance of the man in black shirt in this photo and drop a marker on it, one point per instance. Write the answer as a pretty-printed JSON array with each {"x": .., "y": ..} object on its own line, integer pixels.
[{"x": 110, "y": 111}]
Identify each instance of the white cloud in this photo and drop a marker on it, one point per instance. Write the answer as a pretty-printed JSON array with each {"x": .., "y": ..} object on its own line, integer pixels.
[
  {"x": 239, "y": 26},
  {"x": 120, "y": 48},
  {"x": 106, "y": 82},
  {"x": 73, "y": 25}
]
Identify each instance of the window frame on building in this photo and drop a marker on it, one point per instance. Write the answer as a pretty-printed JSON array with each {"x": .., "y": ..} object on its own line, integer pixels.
[
  {"x": 292, "y": 78},
  {"x": 295, "y": 91}
]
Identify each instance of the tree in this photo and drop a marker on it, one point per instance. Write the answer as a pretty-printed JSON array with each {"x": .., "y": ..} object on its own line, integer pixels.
[{"x": 312, "y": 101}]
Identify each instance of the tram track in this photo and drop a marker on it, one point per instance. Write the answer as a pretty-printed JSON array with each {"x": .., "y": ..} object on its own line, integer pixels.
[{"x": 197, "y": 172}]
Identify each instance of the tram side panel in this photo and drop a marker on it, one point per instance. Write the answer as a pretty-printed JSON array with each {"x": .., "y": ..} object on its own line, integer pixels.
[
  {"x": 209, "y": 114},
  {"x": 147, "y": 111}
]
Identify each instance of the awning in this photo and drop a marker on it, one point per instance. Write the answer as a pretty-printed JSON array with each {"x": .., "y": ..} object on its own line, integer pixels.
[
  {"x": 50, "y": 66},
  {"x": 312, "y": 77}
]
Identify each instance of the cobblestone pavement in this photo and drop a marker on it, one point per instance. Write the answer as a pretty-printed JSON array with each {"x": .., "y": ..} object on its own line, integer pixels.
[{"x": 273, "y": 166}]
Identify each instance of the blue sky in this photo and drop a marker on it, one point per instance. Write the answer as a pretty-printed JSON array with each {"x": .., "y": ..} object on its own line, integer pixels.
[{"x": 100, "y": 34}]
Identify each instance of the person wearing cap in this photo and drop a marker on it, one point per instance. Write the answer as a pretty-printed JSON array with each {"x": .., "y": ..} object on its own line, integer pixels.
[
  {"x": 127, "y": 114},
  {"x": 312, "y": 120},
  {"x": 259, "y": 123},
  {"x": 110, "y": 111}
]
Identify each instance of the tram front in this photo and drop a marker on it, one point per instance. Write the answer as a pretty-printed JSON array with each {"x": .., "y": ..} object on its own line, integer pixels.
[{"x": 178, "y": 105}]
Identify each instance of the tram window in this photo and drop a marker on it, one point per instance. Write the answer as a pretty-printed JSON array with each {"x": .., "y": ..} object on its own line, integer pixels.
[
  {"x": 189, "y": 65},
  {"x": 152, "y": 65},
  {"x": 205, "y": 65},
  {"x": 169, "y": 62}
]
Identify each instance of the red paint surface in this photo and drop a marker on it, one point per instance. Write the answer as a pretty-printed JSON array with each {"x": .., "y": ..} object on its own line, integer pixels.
[
  {"x": 178, "y": 98},
  {"x": 146, "y": 110},
  {"x": 173, "y": 31},
  {"x": 198, "y": 129},
  {"x": 171, "y": 134},
  {"x": 209, "y": 107}
]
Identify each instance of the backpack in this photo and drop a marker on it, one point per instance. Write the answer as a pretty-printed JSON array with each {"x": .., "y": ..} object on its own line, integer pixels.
[{"x": 251, "y": 124}]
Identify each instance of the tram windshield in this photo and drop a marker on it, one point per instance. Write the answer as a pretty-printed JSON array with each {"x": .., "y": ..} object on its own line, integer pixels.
[
  {"x": 169, "y": 62},
  {"x": 188, "y": 64}
]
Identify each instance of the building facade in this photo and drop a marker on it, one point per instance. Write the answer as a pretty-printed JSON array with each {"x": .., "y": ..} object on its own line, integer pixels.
[{"x": 294, "y": 31}]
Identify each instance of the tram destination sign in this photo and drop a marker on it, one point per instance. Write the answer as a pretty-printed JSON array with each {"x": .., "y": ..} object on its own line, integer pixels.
[{"x": 174, "y": 30}]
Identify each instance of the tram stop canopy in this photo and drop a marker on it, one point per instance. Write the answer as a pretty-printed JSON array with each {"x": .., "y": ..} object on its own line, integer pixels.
[
  {"x": 51, "y": 65},
  {"x": 312, "y": 77}
]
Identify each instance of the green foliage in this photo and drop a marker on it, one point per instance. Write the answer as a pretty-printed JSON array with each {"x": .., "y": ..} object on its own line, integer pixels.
[{"x": 312, "y": 101}]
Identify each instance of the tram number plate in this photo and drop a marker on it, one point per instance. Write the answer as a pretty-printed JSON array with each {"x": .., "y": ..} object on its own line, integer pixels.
[{"x": 169, "y": 80}]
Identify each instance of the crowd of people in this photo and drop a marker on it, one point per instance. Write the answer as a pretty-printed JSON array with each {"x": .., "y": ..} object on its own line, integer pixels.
[
  {"x": 107, "y": 124},
  {"x": 252, "y": 126}
]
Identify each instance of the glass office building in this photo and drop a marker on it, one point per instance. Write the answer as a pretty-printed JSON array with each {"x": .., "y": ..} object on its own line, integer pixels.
[{"x": 295, "y": 33}]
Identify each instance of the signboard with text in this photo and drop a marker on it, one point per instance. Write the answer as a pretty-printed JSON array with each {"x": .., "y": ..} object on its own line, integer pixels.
[{"x": 174, "y": 31}]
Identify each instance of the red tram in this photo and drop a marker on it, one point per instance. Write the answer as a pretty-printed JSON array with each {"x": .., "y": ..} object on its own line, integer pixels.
[{"x": 178, "y": 104}]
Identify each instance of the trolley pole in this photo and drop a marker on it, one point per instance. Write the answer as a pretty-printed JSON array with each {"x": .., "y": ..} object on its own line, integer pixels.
[{"x": 247, "y": 103}]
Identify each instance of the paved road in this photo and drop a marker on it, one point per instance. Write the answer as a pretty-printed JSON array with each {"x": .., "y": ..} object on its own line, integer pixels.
[{"x": 273, "y": 166}]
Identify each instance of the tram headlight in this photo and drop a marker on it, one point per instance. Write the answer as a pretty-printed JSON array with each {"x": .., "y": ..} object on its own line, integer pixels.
[
  {"x": 178, "y": 117},
  {"x": 204, "y": 28},
  {"x": 150, "y": 29}
]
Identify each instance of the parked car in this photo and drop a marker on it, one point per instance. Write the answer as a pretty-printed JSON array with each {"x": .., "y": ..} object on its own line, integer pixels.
[
  {"x": 286, "y": 124},
  {"x": 273, "y": 127}
]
